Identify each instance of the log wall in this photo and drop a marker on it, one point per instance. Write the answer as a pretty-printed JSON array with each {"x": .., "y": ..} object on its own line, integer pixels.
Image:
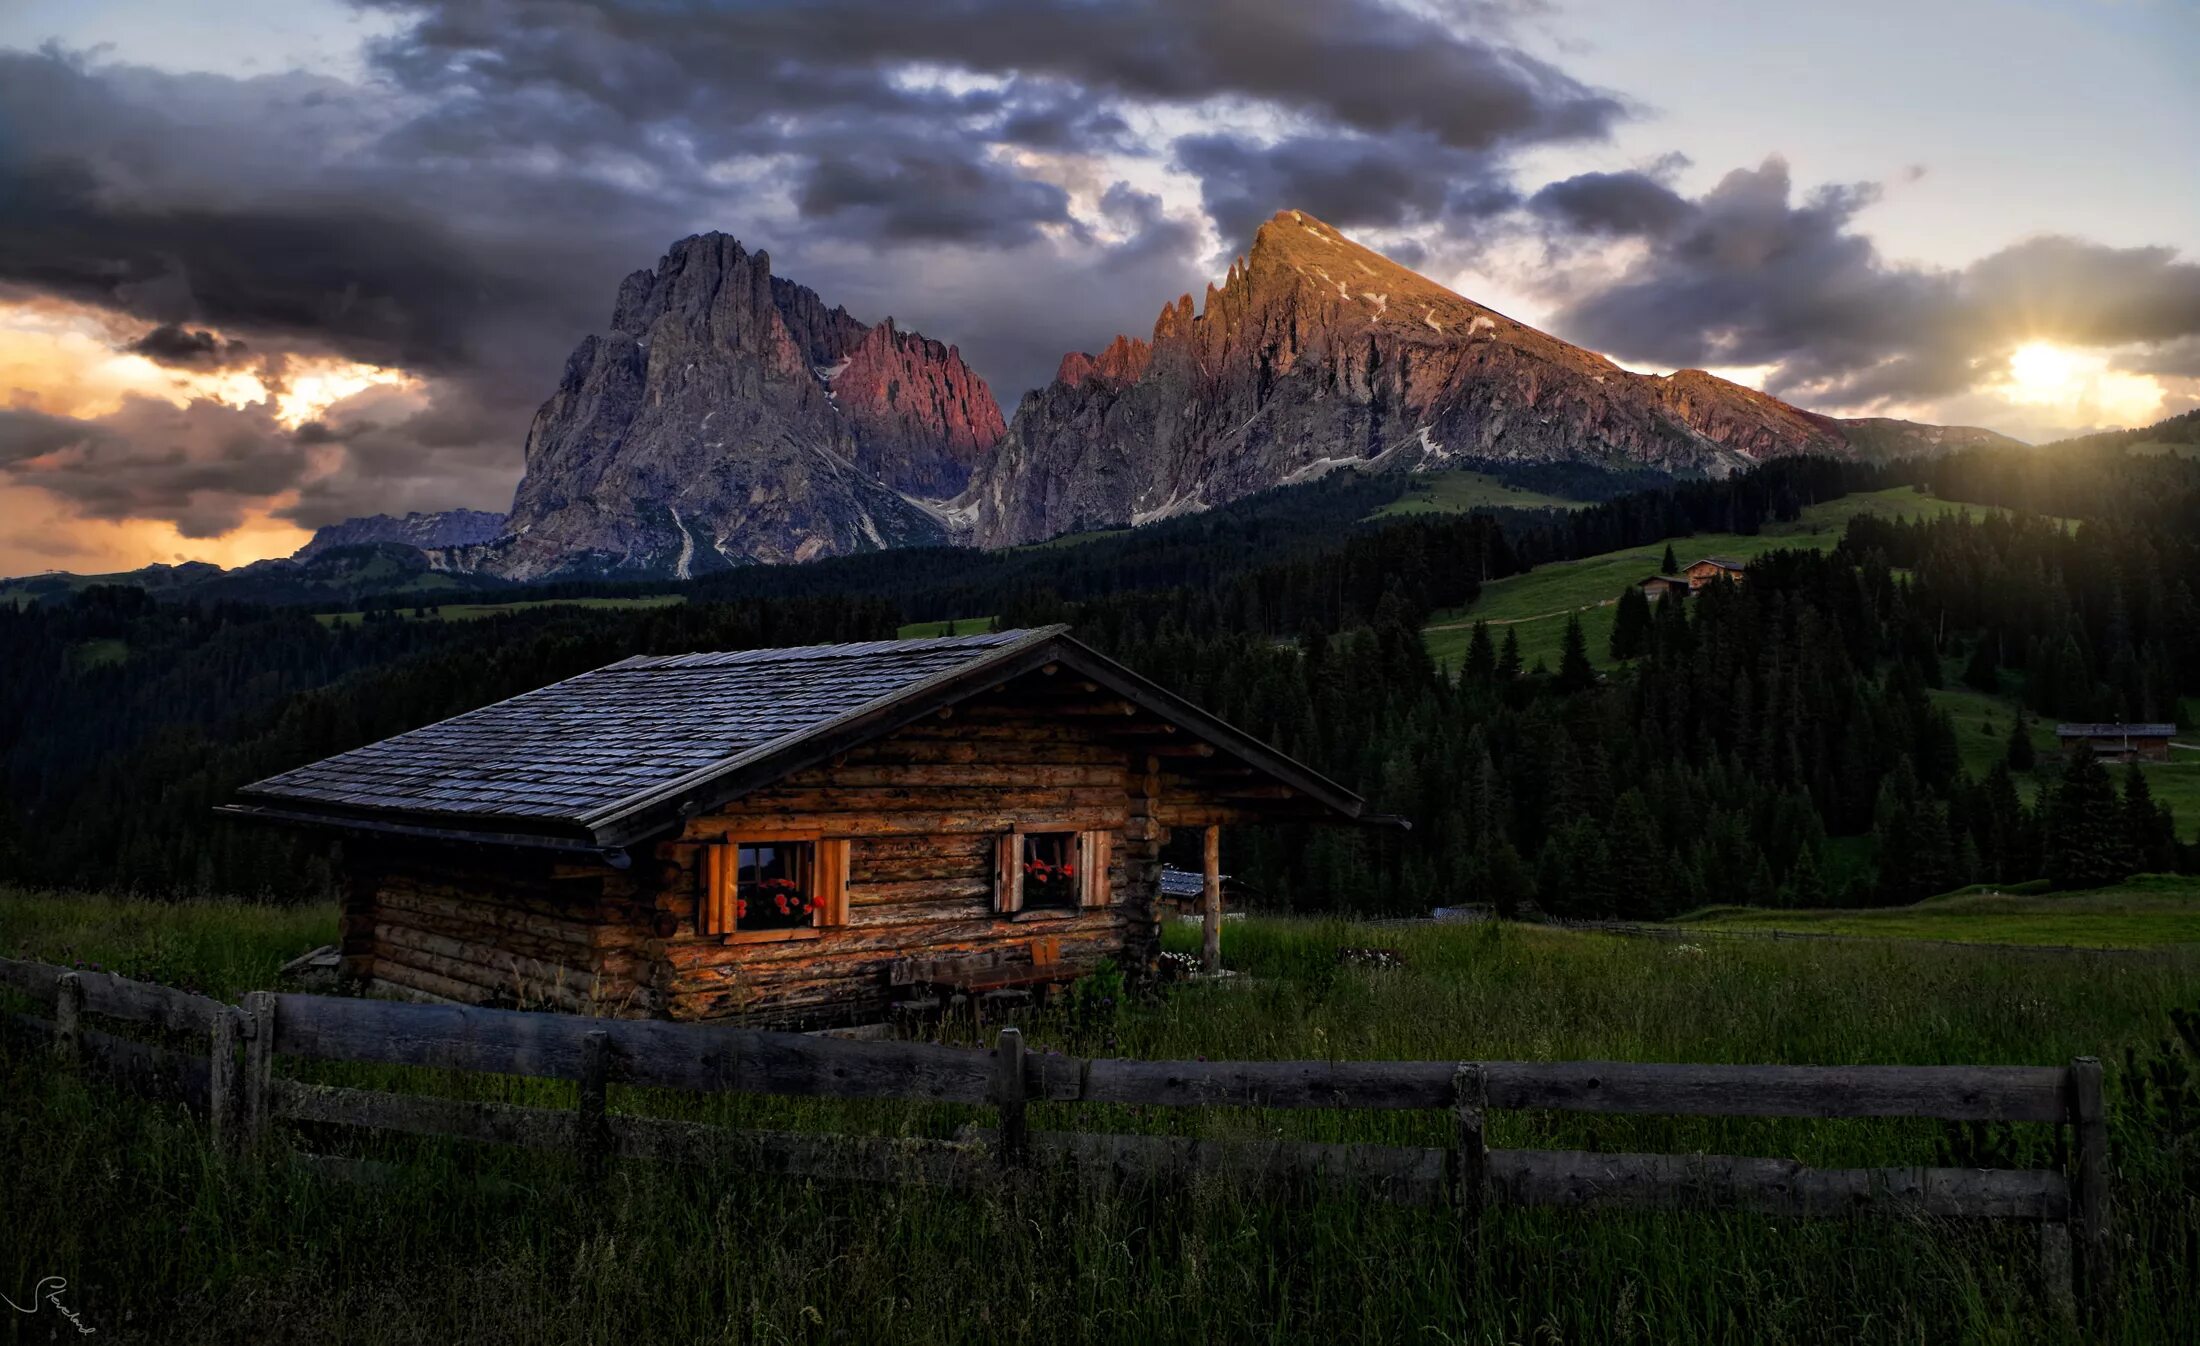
[{"x": 921, "y": 809}]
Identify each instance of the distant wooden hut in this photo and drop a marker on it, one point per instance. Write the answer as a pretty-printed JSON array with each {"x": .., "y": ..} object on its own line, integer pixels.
[
  {"x": 785, "y": 835},
  {"x": 2119, "y": 742},
  {"x": 1714, "y": 568},
  {"x": 1655, "y": 587}
]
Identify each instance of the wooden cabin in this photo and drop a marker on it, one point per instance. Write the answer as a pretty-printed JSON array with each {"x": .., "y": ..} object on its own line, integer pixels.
[
  {"x": 2119, "y": 742},
  {"x": 1656, "y": 587},
  {"x": 1713, "y": 568},
  {"x": 785, "y": 836}
]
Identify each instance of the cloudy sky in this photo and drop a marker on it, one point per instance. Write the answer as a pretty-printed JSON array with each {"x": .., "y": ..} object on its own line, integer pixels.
[{"x": 265, "y": 264}]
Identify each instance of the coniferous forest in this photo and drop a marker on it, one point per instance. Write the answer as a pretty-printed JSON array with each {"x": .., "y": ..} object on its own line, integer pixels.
[{"x": 1773, "y": 742}]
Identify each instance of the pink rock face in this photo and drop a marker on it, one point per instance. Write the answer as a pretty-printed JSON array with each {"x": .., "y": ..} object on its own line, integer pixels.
[
  {"x": 1316, "y": 353},
  {"x": 730, "y": 417}
]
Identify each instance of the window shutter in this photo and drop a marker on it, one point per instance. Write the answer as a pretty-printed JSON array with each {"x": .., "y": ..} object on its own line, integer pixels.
[
  {"x": 1094, "y": 851},
  {"x": 714, "y": 909},
  {"x": 832, "y": 882},
  {"x": 1008, "y": 873}
]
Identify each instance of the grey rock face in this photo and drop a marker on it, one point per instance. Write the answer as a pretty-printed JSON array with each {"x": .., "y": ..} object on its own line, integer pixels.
[
  {"x": 442, "y": 528},
  {"x": 708, "y": 429}
]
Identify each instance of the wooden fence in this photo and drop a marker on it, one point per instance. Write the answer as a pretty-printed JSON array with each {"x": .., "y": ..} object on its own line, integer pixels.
[{"x": 234, "y": 1084}]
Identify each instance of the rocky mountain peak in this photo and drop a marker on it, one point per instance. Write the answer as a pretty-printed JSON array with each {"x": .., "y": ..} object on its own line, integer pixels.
[{"x": 731, "y": 416}]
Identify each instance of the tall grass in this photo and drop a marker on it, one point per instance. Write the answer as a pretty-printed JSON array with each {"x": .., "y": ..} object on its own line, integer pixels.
[{"x": 478, "y": 1244}]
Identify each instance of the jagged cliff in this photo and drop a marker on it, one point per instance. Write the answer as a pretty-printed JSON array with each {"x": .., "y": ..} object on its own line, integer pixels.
[
  {"x": 1316, "y": 353},
  {"x": 729, "y": 417}
]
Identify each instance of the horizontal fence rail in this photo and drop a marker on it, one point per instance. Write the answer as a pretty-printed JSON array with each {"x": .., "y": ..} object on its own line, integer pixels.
[{"x": 232, "y": 1080}]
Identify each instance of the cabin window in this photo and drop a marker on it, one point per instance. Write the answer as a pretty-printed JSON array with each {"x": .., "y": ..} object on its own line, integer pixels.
[
  {"x": 1052, "y": 871},
  {"x": 774, "y": 888},
  {"x": 774, "y": 885}
]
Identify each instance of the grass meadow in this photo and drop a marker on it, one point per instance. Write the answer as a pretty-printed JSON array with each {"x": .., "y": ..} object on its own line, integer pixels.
[
  {"x": 162, "y": 1242},
  {"x": 1536, "y": 604}
]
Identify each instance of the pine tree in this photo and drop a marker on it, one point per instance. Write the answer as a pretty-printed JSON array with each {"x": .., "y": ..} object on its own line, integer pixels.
[
  {"x": 1575, "y": 673},
  {"x": 1508, "y": 657},
  {"x": 1631, "y": 624},
  {"x": 2088, "y": 845},
  {"x": 1480, "y": 665},
  {"x": 1981, "y": 671},
  {"x": 2149, "y": 828},
  {"x": 2022, "y": 755},
  {"x": 1805, "y": 886},
  {"x": 1671, "y": 565}
]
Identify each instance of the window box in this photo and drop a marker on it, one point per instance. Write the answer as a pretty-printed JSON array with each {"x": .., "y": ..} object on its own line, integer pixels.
[
  {"x": 769, "y": 888},
  {"x": 1043, "y": 873}
]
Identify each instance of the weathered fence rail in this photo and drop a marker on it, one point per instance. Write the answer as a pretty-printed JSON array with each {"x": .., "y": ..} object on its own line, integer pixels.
[{"x": 233, "y": 1081}]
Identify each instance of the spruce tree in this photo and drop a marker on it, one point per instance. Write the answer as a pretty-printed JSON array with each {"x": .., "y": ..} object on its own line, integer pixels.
[
  {"x": 1575, "y": 673},
  {"x": 2022, "y": 755},
  {"x": 1508, "y": 657},
  {"x": 1671, "y": 565},
  {"x": 1981, "y": 671},
  {"x": 2149, "y": 828},
  {"x": 1480, "y": 665},
  {"x": 1631, "y": 624},
  {"x": 1805, "y": 886},
  {"x": 2088, "y": 845}
]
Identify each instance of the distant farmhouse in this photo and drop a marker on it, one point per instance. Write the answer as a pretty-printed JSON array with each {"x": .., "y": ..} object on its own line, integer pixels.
[
  {"x": 1695, "y": 575},
  {"x": 789, "y": 836},
  {"x": 2119, "y": 742},
  {"x": 1714, "y": 568}
]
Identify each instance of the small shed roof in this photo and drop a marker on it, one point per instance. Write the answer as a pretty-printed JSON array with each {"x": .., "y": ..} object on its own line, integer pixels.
[
  {"x": 609, "y": 757},
  {"x": 2115, "y": 730}
]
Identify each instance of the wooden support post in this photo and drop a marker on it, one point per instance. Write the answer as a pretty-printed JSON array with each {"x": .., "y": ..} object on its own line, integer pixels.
[
  {"x": 221, "y": 1083},
  {"x": 2089, "y": 1186},
  {"x": 1008, "y": 1093},
  {"x": 2057, "y": 1282},
  {"x": 593, "y": 1135},
  {"x": 68, "y": 1020},
  {"x": 259, "y": 1065},
  {"x": 1470, "y": 1164},
  {"x": 1211, "y": 902}
]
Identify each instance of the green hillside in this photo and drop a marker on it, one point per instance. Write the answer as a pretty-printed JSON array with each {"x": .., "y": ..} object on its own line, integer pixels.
[
  {"x": 1536, "y": 604},
  {"x": 1458, "y": 492}
]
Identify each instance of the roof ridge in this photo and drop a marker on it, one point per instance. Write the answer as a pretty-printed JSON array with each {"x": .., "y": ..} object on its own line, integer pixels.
[{"x": 851, "y": 649}]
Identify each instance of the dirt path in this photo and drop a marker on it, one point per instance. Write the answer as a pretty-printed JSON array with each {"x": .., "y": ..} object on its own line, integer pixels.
[{"x": 1515, "y": 621}]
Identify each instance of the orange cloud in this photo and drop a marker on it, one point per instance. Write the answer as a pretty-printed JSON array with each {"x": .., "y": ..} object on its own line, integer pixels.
[{"x": 37, "y": 534}]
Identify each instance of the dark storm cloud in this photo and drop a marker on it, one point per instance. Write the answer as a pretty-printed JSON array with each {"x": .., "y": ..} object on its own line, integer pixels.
[
  {"x": 1352, "y": 182},
  {"x": 1364, "y": 65},
  {"x": 173, "y": 344},
  {"x": 1747, "y": 275},
  {"x": 467, "y": 213},
  {"x": 1611, "y": 204},
  {"x": 201, "y": 467}
]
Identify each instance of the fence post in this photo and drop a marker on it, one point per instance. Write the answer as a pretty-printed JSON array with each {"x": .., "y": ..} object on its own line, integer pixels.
[
  {"x": 1470, "y": 1164},
  {"x": 2089, "y": 1197},
  {"x": 222, "y": 1118},
  {"x": 592, "y": 1134},
  {"x": 1008, "y": 1093},
  {"x": 68, "y": 1020},
  {"x": 259, "y": 1065}
]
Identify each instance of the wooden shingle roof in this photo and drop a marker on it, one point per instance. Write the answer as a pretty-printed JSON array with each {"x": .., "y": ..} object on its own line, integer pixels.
[{"x": 610, "y": 756}]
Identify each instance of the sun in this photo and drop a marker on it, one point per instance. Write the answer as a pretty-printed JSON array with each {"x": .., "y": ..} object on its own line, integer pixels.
[{"x": 2043, "y": 372}]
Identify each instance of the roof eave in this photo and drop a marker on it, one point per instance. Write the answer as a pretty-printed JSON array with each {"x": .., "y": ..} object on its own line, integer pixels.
[{"x": 414, "y": 827}]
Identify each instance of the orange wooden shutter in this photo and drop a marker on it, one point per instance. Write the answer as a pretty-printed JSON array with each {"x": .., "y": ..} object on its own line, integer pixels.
[
  {"x": 714, "y": 910},
  {"x": 832, "y": 882},
  {"x": 1008, "y": 873},
  {"x": 1094, "y": 851}
]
